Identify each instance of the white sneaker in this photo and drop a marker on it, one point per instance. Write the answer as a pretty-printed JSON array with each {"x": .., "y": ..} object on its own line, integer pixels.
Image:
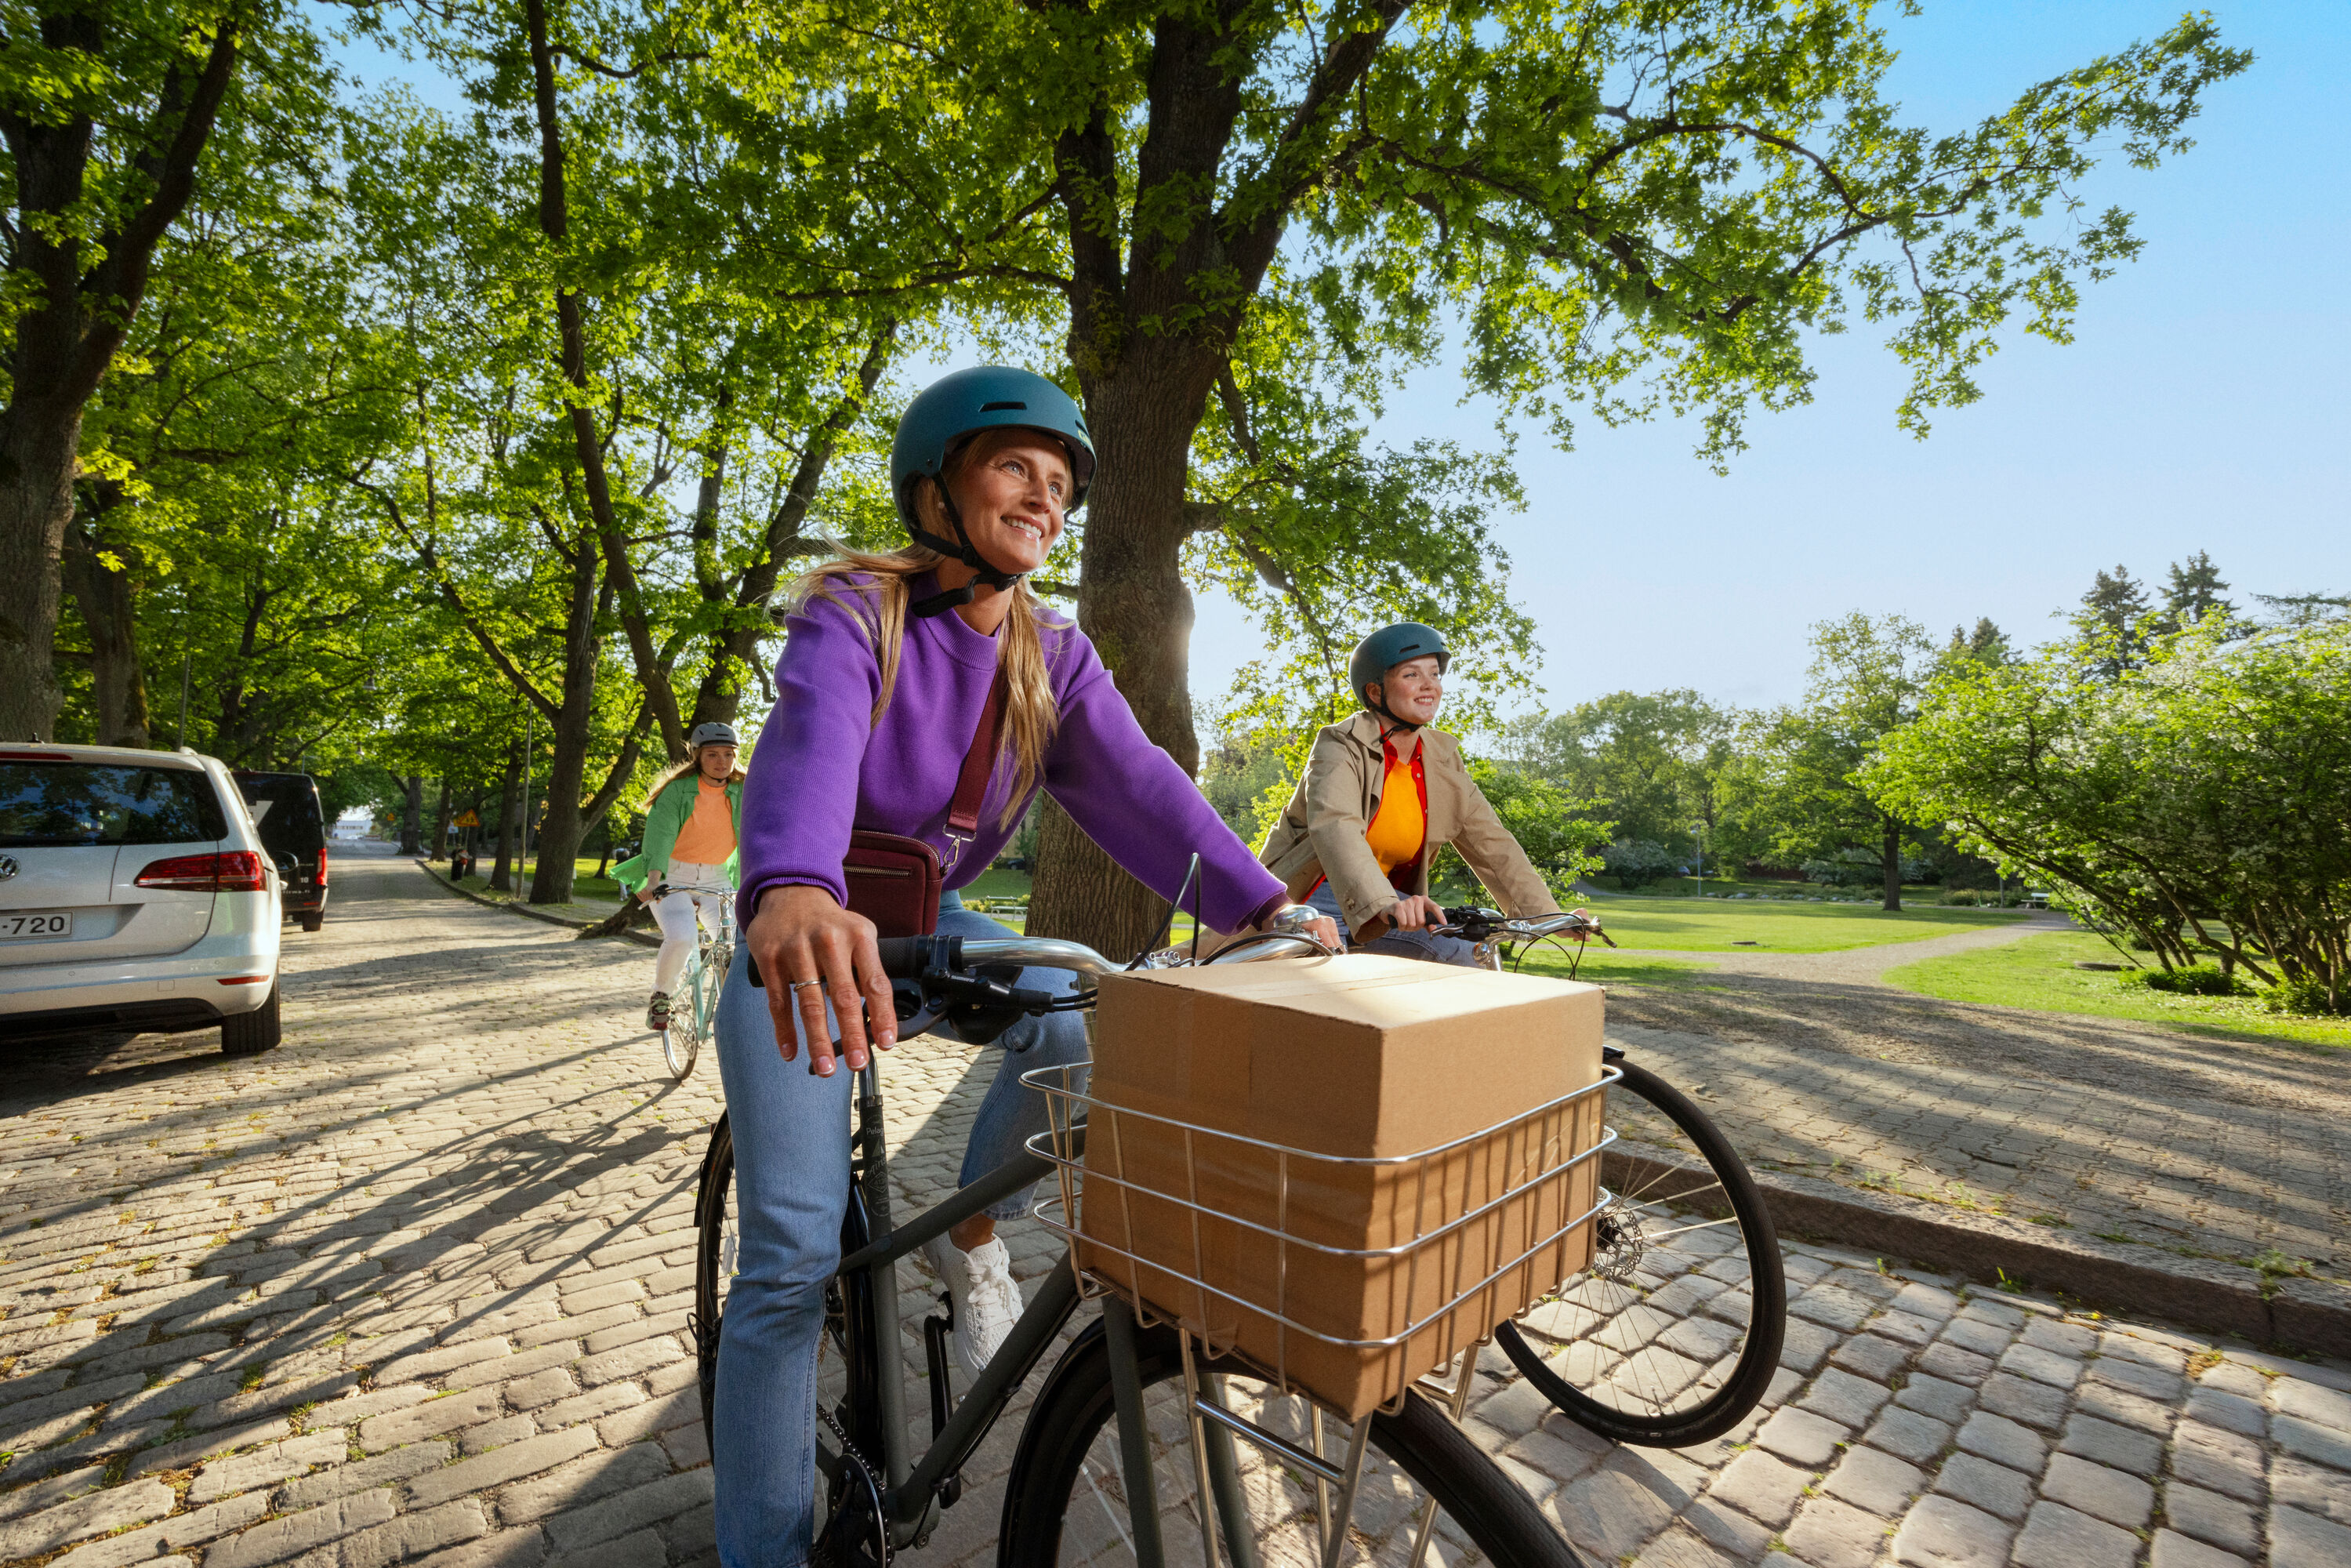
[{"x": 987, "y": 1299}]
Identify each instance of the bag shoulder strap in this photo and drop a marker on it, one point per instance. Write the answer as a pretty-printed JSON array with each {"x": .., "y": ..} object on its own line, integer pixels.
[{"x": 978, "y": 764}]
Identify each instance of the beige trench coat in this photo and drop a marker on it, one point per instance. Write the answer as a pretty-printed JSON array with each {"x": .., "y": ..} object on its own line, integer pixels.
[{"x": 1323, "y": 831}]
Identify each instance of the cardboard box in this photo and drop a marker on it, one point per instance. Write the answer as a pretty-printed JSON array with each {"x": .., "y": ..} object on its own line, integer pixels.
[{"x": 1358, "y": 1060}]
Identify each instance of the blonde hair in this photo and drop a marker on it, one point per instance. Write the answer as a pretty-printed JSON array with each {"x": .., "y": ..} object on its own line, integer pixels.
[
  {"x": 1032, "y": 712},
  {"x": 693, "y": 764}
]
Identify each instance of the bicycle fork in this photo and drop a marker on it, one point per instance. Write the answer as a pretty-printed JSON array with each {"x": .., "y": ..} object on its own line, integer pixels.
[{"x": 1212, "y": 1425}]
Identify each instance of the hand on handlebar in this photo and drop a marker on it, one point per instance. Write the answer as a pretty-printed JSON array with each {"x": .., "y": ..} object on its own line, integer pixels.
[
  {"x": 799, "y": 933},
  {"x": 1414, "y": 910},
  {"x": 1322, "y": 928}
]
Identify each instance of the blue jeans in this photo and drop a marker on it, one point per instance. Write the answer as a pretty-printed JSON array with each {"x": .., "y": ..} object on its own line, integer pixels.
[
  {"x": 791, "y": 1187},
  {"x": 1422, "y": 944}
]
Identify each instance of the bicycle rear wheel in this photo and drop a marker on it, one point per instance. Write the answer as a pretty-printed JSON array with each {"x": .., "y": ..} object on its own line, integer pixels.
[
  {"x": 1066, "y": 1501},
  {"x": 1675, "y": 1330}
]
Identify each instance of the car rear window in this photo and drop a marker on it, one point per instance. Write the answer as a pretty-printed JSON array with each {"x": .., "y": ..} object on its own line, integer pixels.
[
  {"x": 45, "y": 804},
  {"x": 285, "y": 807}
]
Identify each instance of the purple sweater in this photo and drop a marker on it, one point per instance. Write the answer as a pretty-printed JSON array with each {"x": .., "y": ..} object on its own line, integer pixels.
[{"x": 822, "y": 769}]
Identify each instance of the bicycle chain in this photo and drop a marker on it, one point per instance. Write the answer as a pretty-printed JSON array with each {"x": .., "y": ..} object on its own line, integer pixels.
[{"x": 873, "y": 1492}]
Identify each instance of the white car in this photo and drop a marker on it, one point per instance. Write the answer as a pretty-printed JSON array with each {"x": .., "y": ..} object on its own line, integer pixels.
[{"x": 134, "y": 895}]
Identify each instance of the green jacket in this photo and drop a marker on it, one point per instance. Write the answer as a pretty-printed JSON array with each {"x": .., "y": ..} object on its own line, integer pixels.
[{"x": 664, "y": 821}]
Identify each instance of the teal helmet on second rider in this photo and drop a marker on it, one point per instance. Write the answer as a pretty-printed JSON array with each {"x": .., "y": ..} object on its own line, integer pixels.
[
  {"x": 1386, "y": 648},
  {"x": 962, "y": 403}
]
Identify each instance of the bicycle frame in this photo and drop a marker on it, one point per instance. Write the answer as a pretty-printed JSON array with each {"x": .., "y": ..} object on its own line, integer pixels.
[
  {"x": 914, "y": 1483},
  {"x": 709, "y": 976}
]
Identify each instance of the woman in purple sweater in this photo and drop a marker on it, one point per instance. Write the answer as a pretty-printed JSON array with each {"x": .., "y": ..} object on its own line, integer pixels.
[{"x": 887, "y": 666}]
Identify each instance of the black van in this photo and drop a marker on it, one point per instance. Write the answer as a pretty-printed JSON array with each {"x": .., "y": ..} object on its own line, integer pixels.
[{"x": 293, "y": 829}]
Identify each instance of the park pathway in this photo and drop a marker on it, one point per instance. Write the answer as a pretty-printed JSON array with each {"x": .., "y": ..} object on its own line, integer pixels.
[
  {"x": 412, "y": 1288},
  {"x": 1859, "y": 966}
]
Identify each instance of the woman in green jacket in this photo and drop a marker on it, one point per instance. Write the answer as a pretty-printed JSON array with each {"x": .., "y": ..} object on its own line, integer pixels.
[{"x": 686, "y": 870}]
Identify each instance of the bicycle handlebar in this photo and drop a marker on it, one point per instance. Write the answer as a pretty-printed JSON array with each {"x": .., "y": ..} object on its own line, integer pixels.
[
  {"x": 1481, "y": 924},
  {"x": 911, "y": 957}
]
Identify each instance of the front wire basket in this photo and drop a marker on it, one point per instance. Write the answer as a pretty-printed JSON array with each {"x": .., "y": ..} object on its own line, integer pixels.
[{"x": 1461, "y": 1272}]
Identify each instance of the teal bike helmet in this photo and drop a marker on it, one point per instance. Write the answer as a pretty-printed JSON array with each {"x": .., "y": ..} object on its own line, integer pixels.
[
  {"x": 1386, "y": 648},
  {"x": 984, "y": 397}
]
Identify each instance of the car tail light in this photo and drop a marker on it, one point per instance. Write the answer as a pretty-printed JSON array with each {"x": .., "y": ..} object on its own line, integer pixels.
[
  {"x": 322, "y": 865},
  {"x": 244, "y": 979},
  {"x": 236, "y": 870}
]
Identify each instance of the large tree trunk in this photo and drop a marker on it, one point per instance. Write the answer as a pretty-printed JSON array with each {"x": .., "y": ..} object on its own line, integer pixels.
[
  {"x": 510, "y": 820},
  {"x": 1134, "y": 606},
  {"x": 412, "y": 824},
  {"x": 102, "y": 593},
  {"x": 441, "y": 823},
  {"x": 36, "y": 468},
  {"x": 1892, "y": 853},
  {"x": 574, "y": 723}
]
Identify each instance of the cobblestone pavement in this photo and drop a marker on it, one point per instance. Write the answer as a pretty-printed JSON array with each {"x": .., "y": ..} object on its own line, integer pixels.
[
  {"x": 412, "y": 1288},
  {"x": 2230, "y": 1150}
]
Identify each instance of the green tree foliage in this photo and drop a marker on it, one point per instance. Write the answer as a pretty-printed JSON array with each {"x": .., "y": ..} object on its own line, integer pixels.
[
  {"x": 1627, "y": 207},
  {"x": 2201, "y": 801},
  {"x": 1636, "y": 862},
  {"x": 1866, "y": 678},
  {"x": 1655, "y": 762},
  {"x": 2194, "y": 593},
  {"x": 107, "y": 113},
  {"x": 1987, "y": 644}
]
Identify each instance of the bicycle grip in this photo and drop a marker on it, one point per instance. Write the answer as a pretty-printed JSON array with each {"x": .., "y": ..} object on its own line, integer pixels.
[
  {"x": 902, "y": 958},
  {"x": 906, "y": 957}
]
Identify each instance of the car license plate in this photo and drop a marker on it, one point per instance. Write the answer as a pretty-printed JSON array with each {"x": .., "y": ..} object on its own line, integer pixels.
[{"x": 36, "y": 927}]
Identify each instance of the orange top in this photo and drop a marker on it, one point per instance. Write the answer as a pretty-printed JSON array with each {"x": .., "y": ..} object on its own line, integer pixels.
[
  {"x": 708, "y": 836},
  {"x": 1400, "y": 827}
]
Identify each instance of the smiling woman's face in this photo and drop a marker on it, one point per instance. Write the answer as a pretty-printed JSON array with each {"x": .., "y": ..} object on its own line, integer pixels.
[{"x": 1011, "y": 488}]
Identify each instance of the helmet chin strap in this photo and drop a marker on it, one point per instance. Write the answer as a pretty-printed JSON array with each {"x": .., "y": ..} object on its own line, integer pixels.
[
  {"x": 1381, "y": 708},
  {"x": 960, "y": 548}
]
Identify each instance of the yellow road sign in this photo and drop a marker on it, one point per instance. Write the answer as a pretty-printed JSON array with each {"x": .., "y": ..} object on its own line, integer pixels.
[{"x": 466, "y": 820}]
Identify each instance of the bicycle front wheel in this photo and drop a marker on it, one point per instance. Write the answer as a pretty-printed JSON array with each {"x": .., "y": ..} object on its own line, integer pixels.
[
  {"x": 690, "y": 1016},
  {"x": 1675, "y": 1330},
  {"x": 1066, "y": 1503}
]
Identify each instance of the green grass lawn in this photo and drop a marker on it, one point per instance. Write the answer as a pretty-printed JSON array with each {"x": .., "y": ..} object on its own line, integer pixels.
[
  {"x": 2038, "y": 972},
  {"x": 1694, "y": 926},
  {"x": 1686, "y": 925}
]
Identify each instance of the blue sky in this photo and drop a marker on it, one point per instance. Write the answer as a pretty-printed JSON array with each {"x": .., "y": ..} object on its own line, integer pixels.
[{"x": 2202, "y": 405}]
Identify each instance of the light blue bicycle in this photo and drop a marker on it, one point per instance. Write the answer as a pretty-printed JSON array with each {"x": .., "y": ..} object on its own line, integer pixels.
[{"x": 694, "y": 1005}]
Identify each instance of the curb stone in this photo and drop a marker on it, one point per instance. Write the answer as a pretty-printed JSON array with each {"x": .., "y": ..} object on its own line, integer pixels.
[
  {"x": 2306, "y": 1314},
  {"x": 639, "y": 937}
]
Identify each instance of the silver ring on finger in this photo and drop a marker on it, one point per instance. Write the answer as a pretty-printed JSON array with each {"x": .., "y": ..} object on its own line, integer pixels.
[{"x": 804, "y": 984}]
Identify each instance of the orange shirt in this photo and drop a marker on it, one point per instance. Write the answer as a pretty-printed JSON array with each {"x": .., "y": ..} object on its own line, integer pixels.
[
  {"x": 708, "y": 836},
  {"x": 1399, "y": 829}
]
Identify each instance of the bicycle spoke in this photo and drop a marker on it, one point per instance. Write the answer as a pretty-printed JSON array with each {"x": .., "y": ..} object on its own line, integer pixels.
[{"x": 1390, "y": 1515}]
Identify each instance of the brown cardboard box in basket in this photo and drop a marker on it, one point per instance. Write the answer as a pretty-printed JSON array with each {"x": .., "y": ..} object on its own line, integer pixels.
[{"x": 1357, "y": 1058}]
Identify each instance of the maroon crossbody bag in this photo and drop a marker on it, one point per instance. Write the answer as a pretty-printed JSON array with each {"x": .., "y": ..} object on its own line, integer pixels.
[{"x": 895, "y": 881}]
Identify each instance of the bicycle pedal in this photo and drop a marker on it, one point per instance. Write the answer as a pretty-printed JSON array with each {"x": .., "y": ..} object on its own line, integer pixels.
[{"x": 947, "y": 1305}]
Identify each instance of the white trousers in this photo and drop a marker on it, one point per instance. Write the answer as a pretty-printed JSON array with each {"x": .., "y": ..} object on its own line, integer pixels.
[{"x": 696, "y": 894}]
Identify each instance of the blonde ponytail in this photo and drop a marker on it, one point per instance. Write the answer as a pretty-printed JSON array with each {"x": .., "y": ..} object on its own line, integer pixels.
[{"x": 878, "y": 605}]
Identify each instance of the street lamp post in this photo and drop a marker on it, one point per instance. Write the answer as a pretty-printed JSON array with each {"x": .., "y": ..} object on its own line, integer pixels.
[{"x": 1700, "y": 828}]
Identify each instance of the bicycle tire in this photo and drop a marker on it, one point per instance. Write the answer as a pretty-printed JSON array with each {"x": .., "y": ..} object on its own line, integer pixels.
[
  {"x": 1043, "y": 1490},
  {"x": 689, "y": 1019},
  {"x": 710, "y": 1195},
  {"x": 1742, "y": 1387},
  {"x": 681, "y": 1044}
]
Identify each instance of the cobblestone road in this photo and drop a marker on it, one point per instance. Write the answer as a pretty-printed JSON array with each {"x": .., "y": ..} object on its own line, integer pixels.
[{"x": 412, "y": 1288}]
